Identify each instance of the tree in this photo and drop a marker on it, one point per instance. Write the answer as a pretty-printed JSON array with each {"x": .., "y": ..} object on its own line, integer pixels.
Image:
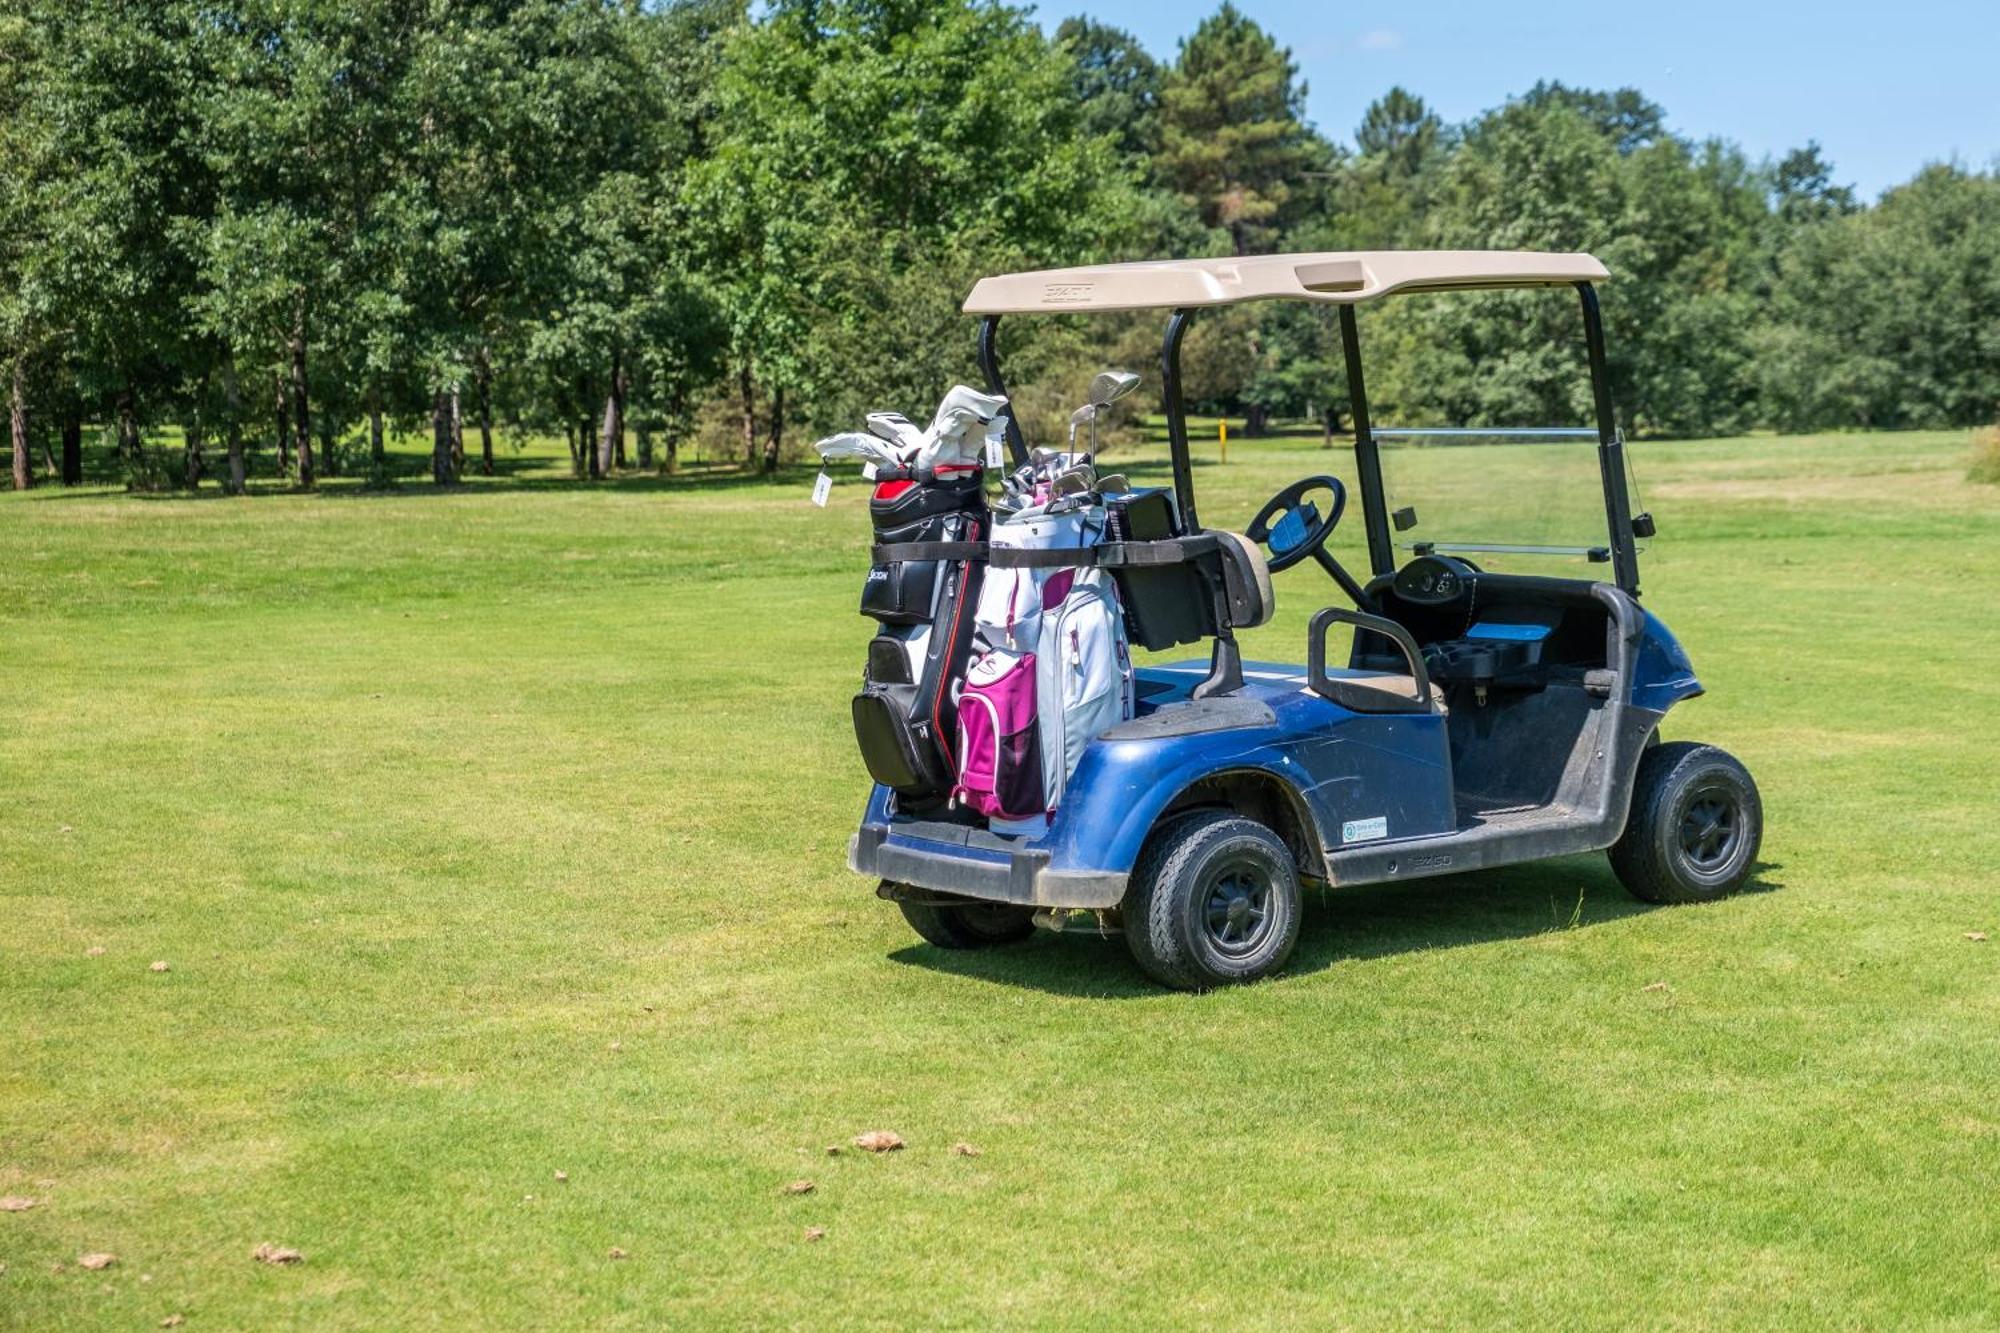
[
  {"x": 1233, "y": 143},
  {"x": 857, "y": 143},
  {"x": 1116, "y": 85}
]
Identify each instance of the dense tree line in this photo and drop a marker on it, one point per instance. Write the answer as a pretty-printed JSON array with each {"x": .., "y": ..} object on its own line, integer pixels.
[{"x": 285, "y": 226}]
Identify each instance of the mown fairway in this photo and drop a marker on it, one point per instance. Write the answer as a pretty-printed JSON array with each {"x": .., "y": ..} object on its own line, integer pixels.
[{"x": 502, "y": 833}]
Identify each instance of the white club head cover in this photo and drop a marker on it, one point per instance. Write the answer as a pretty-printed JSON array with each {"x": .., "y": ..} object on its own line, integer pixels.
[
  {"x": 853, "y": 444},
  {"x": 899, "y": 430},
  {"x": 957, "y": 433}
]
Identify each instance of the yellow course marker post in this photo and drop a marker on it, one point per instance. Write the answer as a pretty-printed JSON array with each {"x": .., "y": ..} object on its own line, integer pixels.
[{"x": 1222, "y": 434}]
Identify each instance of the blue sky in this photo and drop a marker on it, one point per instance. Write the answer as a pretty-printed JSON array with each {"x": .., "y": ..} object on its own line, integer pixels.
[{"x": 1884, "y": 87}]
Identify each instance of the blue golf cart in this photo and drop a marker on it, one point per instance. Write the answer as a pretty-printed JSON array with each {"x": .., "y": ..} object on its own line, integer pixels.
[{"x": 1480, "y": 718}]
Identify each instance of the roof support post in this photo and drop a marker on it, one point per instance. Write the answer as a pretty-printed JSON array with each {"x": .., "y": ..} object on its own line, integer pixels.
[
  {"x": 1610, "y": 449},
  {"x": 1177, "y": 439},
  {"x": 989, "y": 366},
  {"x": 1367, "y": 459}
]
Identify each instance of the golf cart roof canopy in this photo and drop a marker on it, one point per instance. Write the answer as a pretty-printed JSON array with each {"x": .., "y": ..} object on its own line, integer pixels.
[{"x": 1340, "y": 277}]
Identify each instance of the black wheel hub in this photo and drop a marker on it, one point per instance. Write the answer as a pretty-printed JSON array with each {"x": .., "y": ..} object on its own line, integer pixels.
[
  {"x": 1711, "y": 827},
  {"x": 1236, "y": 913}
]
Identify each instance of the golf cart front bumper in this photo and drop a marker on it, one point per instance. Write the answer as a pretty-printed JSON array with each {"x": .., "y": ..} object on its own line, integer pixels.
[{"x": 973, "y": 863}]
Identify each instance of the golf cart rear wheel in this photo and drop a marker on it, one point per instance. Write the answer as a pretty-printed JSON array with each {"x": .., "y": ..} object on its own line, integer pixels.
[
  {"x": 967, "y": 925},
  {"x": 1695, "y": 825},
  {"x": 1215, "y": 901}
]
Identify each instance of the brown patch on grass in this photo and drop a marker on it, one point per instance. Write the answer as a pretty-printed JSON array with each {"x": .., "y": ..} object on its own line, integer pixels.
[
  {"x": 1985, "y": 457},
  {"x": 1929, "y": 487}
]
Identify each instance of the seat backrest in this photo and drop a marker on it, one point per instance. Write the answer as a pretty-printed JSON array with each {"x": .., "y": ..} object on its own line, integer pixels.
[{"x": 1246, "y": 580}]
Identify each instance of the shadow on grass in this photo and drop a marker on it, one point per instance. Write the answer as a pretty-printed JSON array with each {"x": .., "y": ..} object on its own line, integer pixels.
[{"x": 1343, "y": 925}]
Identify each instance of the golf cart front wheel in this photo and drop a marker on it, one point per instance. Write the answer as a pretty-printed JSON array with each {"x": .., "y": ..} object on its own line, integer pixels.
[
  {"x": 967, "y": 925},
  {"x": 1695, "y": 825},
  {"x": 1215, "y": 901}
]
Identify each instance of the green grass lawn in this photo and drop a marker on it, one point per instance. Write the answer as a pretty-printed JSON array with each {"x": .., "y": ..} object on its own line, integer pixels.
[{"x": 498, "y": 834}]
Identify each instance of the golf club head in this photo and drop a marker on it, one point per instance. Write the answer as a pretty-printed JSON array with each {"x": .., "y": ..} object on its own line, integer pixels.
[
  {"x": 1075, "y": 481},
  {"x": 1111, "y": 385}
]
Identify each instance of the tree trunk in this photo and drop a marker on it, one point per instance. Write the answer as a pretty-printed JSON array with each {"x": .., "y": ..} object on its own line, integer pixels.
[
  {"x": 618, "y": 387},
  {"x": 284, "y": 427},
  {"x": 1255, "y": 420},
  {"x": 569, "y": 438},
  {"x": 233, "y": 402},
  {"x": 457, "y": 436},
  {"x": 775, "y": 439},
  {"x": 484, "y": 380},
  {"x": 644, "y": 431},
  {"x": 72, "y": 447},
  {"x": 378, "y": 453},
  {"x": 607, "y": 431},
  {"x": 748, "y": 393},
  {"x": 1330, "y": 423},
  {"x": 24, "y": 474},
  {"x": 192, "y": 461},
  {"x": 586, "y": 436},
  {"x": 128, "y": 436},
  {"x": 441, "y": 469},
  {"x": 611, "y": 437},
  {"x": 48, "y": 459},
  {"x": 304, "y": 437}
]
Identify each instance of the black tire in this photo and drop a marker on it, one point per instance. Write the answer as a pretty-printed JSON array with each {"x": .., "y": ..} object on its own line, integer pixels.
[
  {"x": 968, "y": 925},
  {"x": 1214, "y": 902},
  {"x": 1695, "y": 826}
]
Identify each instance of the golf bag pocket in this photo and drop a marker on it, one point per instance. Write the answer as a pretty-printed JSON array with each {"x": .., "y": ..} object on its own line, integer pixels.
[
  {"x": 900, "y": 592},
  {"x": 904, "y": 592},
  {"x": 999, "y": 746},
  {"x": 1086, "y": 678},
  {"x": 896, "y": 755}
]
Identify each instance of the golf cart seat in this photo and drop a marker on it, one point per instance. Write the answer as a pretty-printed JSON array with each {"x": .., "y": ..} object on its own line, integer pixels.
[
  {"x": 1247, "y": 578},
  {"x": 1381, "y": 692}
]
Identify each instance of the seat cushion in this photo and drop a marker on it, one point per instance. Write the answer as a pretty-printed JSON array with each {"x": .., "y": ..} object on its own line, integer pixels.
[{"x": 1399, "y": 691}]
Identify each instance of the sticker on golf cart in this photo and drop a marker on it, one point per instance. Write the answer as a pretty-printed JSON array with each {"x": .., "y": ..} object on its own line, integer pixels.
[{"x": 1363, "y": 830}]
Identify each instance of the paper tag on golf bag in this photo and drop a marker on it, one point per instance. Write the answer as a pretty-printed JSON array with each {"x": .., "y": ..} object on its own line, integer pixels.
[
  {"x": 993, "y": 459},
  {"x": 821, "y": 489}
]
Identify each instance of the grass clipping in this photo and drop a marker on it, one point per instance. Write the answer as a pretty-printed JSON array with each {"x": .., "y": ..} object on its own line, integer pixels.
[{"x": 1986, "y": 456}]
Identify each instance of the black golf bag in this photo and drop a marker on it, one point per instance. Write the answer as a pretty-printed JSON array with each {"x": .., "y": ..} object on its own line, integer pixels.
[{"x": 906, "y": 717}]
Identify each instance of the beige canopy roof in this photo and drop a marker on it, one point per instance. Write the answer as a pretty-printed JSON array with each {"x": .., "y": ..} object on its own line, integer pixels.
[{"x": 1341, "y": 277}]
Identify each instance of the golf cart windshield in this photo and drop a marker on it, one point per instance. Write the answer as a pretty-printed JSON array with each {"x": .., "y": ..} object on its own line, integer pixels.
[{"x": 1495, "y": 493}]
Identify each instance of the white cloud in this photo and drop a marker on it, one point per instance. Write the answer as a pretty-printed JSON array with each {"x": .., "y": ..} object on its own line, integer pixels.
[{"x": 1380, "y": 39}]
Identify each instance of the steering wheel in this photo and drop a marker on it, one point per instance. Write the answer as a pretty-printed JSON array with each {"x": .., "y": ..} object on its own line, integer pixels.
[{"x": 1298, "y": 531}]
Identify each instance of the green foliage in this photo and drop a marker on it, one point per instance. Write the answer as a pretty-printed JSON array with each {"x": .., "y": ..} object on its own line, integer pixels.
[
  {"x": 1233, "y": 144},
  {"x": 553, "y": 210},
  {"x": 1116, "y": 85},
  {"x": 871, "y": 162}
]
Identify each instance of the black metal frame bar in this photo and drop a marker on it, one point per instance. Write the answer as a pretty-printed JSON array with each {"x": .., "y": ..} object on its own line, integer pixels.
[
  {"x": 1177, "y": 437},
  {"x": 989, "y": 366},
  {"x": 1610, "y": 449},
  {"x": 1367, "y": 459}
]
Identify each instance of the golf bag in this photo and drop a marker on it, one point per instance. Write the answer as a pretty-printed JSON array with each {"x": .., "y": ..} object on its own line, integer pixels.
[
  {"x": 905, "y": 715},
  {"x": 1051, "y": 668},
  {"x": 928, "y": 489}
]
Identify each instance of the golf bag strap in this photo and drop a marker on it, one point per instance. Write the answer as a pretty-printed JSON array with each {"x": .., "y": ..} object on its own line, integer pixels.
[
  {"x": 929, "y": 475},
  {"x": 1109, "y": 555},
  {"x": 888, "y": 553},
  {"x": 1000, "y": 557}
]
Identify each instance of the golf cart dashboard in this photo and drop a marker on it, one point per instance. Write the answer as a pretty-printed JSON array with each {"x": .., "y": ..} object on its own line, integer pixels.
[
  {"x": 1510, "y": 631},
  {"x": 1435, "y": 580}
]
